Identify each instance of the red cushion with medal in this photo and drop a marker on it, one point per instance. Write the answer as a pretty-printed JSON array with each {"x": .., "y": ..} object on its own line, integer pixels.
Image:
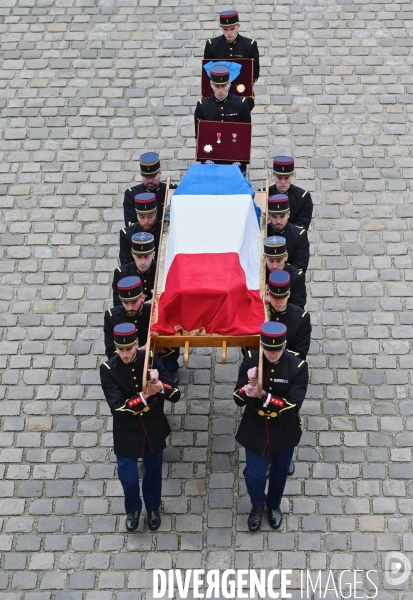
[
  {"x": 241, "y": 86},
  {"x": 234, "y": 143}
]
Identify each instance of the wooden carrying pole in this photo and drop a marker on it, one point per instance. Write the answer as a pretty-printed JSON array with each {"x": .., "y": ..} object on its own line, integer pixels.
[{"x": 148, "y": 353}]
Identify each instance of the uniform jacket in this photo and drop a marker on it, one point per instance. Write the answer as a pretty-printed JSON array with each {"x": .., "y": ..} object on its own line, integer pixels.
[
  {"x": 233, "y": 110},
  {"x": 125, "y": 242},
  {"x": 298, "y": 246},
  {"x": 287, "y": 379},
  {"x": 301, "y": 205},
  {"x": 117, "y": 315},
  {"x": 121, "y": 382},
  {"x": 241, "y": 47},
  {"x": 298, "y": 292},
  {"x": 129, "y": 269},
  {"x": 298, "y": 325},
  {"x": 129, "y": 211}
]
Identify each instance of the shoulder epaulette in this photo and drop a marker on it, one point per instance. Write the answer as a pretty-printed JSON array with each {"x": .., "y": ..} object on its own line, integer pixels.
[
  {"x": 304, "y": 194},
  {"x": 292, "y": 352},
  {"x": 249, "y": 353},
  {"x": 252, "y": 41},
  {"x": 120, "y": 270},
  {"x": 200, "y": 102},
  {"x": 106, "y": 365},
  {"x": 130, "y": 189},
  {"x": 243, "y": 99},
  {"x": 110, "y": 312},
  {"x": 301, "y": 232},
  {"x": 209, "y": 41},
  {"x": 300, "y": 272},
  {"x": 124, "y": 231},
  {"x": 304, "y": 313},
  {"x": 301, "y": 363}
]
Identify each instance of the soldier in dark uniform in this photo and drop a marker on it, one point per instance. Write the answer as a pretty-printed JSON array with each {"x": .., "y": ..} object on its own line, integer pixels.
[
  {"x": 143, "y": 265},
  {"x": 296, "y": 320},
  {"x": 222, "y": 106},
  {"x": 132, "y": 310},
  {"x": 150, "y": 167},
  {"x": 301, "y": 204},
  {"x": 270, "y": 424},
  {"x": 145, "y": 208},
  {"x": 139, "y": 424},
  {"x": 233, "y": 45},
  {"x": 298, "y": 247},
  {"x": 276, "y": 257}
]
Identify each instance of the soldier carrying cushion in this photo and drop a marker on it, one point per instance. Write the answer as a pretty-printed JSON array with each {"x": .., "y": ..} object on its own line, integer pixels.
[
  {"x": 222, "y": 106},
  {"x": 233, "y": 45}
]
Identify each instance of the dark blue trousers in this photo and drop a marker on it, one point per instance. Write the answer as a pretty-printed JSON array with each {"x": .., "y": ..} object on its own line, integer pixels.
[
  {"x": 151, "y": 480},
  {"x": 170, "y": 362},
  {"x": 256, "y": 477}
]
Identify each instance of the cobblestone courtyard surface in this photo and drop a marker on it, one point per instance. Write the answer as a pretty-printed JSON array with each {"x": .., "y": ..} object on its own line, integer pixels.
[{"x": 85, "y": 87}]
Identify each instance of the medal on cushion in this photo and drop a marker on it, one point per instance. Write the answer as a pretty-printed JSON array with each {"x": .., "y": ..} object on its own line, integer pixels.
[{"x": 208, "y": 148}]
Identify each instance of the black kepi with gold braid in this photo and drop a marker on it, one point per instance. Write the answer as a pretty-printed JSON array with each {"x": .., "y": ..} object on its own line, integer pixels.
[
  {"x": 273, "y": 335},
  {"x": 279, "y": 284},
  {"x": 219, "y": 75},
  {"x": 149, "y": 164},
  {"x": 275, "y": 246},
  {"x": 130, "y": 288},
  {"x": 283, "y": 165},
  {"x": 125, "y": 335},
  {"x": 143, "y": 243},
  {"x": 228, "y": 18},
  {"x": 279, "y": 204},
  {"x": 145, "y": 203}
]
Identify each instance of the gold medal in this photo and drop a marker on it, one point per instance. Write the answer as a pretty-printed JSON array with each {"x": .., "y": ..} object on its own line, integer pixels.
[
  {"x": 208, "y": 148},
  {"x": 240, "y": 88}
]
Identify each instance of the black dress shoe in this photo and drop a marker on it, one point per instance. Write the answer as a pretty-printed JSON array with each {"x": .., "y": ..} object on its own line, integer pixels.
[
  {"x": 132, "y": 520},
  {"x": 275, "y": 517},
  {"x": 255, "y": 518},
  {"x": 154, "y": 519},
  {"x": 291, "y": 468}
]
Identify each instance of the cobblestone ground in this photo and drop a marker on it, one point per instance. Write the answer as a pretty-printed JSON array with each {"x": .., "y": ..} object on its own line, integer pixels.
[{"x": 85, "y": 87}]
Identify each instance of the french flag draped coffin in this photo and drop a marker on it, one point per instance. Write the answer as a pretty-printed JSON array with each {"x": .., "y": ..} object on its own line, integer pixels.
[{"x": 210, "y": 280}]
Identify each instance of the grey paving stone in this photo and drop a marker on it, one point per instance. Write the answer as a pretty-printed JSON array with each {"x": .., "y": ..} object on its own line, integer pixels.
[{"x": 74, "y": 126}]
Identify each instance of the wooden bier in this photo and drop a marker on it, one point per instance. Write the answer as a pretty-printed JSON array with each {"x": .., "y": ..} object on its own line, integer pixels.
[{"x": 160, "y": 342}]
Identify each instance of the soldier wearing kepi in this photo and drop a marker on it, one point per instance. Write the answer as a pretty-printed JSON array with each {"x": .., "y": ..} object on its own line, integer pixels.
[
  {"x": 301, "y": 204},
  {"x": 222, "y": 106},
  {"x": 276, "y": 257},
  {"x": 298, "y": 247},
  {"x": 143, "y": 265},
  {"x": 233, "y": 45},
  {"x": 145, "y": 208},
  {"x": 139, "y": 424},
  {"x": 296, "y": 320},
  {"x": 132, "y": 310},
  {"x": 270, "y": 424},
  {"x": 150, "y": 167}
]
